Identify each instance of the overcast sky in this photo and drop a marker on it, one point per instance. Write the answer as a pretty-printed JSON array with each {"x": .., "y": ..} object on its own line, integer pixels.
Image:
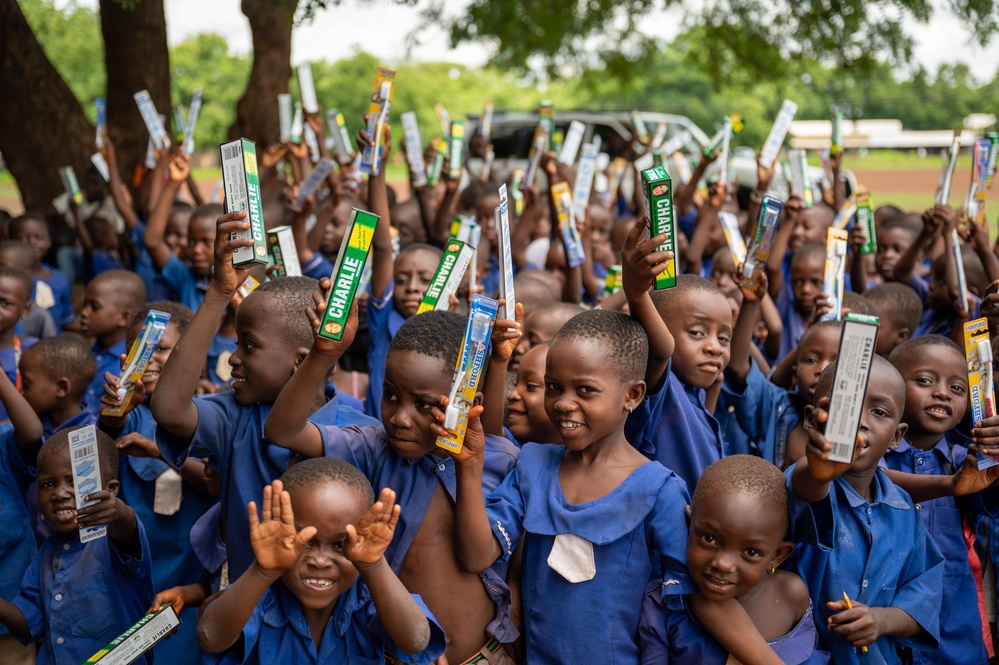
[{"x": 337, "y": 32}]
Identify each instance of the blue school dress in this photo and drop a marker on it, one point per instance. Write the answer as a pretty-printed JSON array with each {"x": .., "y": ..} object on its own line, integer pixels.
[
  {"x": 765, "y": 413},
  {"x": 673, "y": 427},
  {"x": 415, "y": 484},
  {"x": 383, "y": 323},
  {"x": 960, "y": 622},
  {"x": 232, "y": 437},
  {"x": 108, "y": 360},
  {"x": 669, "y": 634},
  {"x": 879, "y": 553},
  {"x": 278, "y": 632},
  {"x": 17, "y": 542},
  {"x": 586, "y": 565}
]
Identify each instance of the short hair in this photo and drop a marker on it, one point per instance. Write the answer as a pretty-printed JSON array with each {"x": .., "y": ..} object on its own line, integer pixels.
[
  {"x": 21, "y": 276},
  {"x": 621, "y": 337},
  {"x": 180, "y": 316},
  {"x": 746, "y": 474},
  {"x": 418, "y": 246},
  {"x": 129, "y": 291},
  {"x": 288, "y": 297},
  {"x": 809, "y": 251},
  {"x": 66, "y": 357},
  {"x": 209, "y": 210},
  {"x": 878, "y": 364},
  {"x": 327, "y": 470},
  {"x": 561, "y": 311},
  {"x": 434, "y": 334},
  {"x": 858, "y": 304},
  {"x": 22, "y": 251},
  {"x": 910, "y": 221},
  {"x": 26, "y": 217},
  {"x": 667, "y": 300},
  {"x": 887, "y": 212},
  {"x": 821, "y": 325},
  {"x": 910, "y": 345},
  {"x": 533, "y": 292},
  {"x": 107, "y": 452},
  {"x": 974, "y": 270},
  {"x": 898, "y": 302}
]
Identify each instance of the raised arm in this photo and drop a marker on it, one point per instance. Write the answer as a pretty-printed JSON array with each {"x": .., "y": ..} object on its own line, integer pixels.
[
  {"x": 742, "y": 335},
  {"x": 382, "y": 264},
  {"x": 119, "y": 192},
  {"x": 905, "y": 267},
  {"x": 814, "y": 473},
  {"x": 505, "y": 336},
  {"x": 27, "y": 426},
  {"x": 172, "y": 404},
  {"x": 707, "y": 217},
  {"x": 782, "y": 237},
  {"x": 180, "y": 168}
]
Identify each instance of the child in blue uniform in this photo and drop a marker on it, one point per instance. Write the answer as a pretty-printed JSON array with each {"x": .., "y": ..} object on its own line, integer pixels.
[
  {"x": 899, "y": 310},
  {"x": 55, "y": 375},
  {"x": 474, "y": 609},
  {"x": 15, "y": 301},
  {"x": 738, "y": 525},
  {"x": 52, "y": 289},
  {"x": 859, "y": 534},
  {"x": 301, "y": 602},
  {"x": 77, "y": 597},
  {"x": 228, "y": 427}
]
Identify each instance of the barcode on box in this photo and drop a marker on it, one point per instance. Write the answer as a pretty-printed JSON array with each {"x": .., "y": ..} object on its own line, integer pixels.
[
  {"x": 233, "y": 151},
  {"x": 84, "y": 451}
]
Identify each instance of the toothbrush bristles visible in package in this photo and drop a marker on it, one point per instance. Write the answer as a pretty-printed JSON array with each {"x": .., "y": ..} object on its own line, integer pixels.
[{"x": 978, "y": 355}]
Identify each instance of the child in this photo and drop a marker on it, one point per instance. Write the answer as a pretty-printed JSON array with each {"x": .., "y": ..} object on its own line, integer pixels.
[
  {"x": 300, "y": 602},
  {"x": 112, "y": 299},
  {"x": 598, "y": 519},
  {"x": 859, "y": 535},
  {"x": 402, "y": 454},
  {"x": 540, "y": 326},
  {"x": 690, "y": 332},
  {"x": 37, "y": 322},
  {"x": 18, "y": 441},
  {"x": 936, "y": 399},
  {"x": 899, "y": 310},
  {"x": 55, "y": 375},
  {"x": 168, "y": 503},
  {"x": 77, "y": 597},
  {"x": 798, "y": 302},
  {"x": 15, "y": 301},
  {"x": 52, "y": 289},
  {"x": 738, "y": 525},
  {"x": 228, "y": 427},
  {"x": 526, "y": 417}
]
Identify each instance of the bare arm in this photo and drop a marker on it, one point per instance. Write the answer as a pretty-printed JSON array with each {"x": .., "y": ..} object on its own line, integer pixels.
[
  {"x": 122, "y": 201},
  {"x": 707, "y": 216},
  {"x": 742, "y": 335},
  {"x": 641, "y": 262},
  {"x": 905, "y": 267},
  {"x": 729, "y": 623},
  {"x": 27, "y": 426},
  {"x": 12, "y": 618},
  {"x": 775, "y": 327},
  {"x": 382, "y": 265},
  {"x": 180, "y": 168}
]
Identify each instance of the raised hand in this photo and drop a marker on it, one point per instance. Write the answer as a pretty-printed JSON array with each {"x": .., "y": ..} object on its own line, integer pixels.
[
  {"x": 367, "y": 541},
  {"x": 276, "y": 544}
]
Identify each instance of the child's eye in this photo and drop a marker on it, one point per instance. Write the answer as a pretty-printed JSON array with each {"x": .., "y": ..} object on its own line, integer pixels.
[
  {"x": 586, "y": 390},
  {"x": 708, "y": 538},
  {"x": 532, "y": 387},
  {"x": 423, "y": 406},
  {"x": 724, "y": 339},
  {"x": 879, "y": 412},
  {"x": 554, "y": 387},
  {"x": 958, "y": 388},
  {"x": 923, "y": 381},
  {"x": 696, "y": 334},
  {"x": 754, "y": 553},
  {"x": 389, "y": 397}
]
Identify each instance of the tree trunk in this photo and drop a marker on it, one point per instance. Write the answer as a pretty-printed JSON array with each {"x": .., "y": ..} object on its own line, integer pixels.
[
  {"x": 257, "y": 110},
  {"x": 43, "y": 125},
  {"x": 136, "y": 58}
]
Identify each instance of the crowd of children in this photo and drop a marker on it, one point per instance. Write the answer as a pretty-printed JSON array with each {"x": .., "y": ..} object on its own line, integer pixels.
[{"x": 645, "y": 475}]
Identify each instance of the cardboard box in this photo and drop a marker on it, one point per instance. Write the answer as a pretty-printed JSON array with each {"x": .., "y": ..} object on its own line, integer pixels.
[
  {"x": 312, "y": 182},
  {"x": 192, "y": 122},
  {"x": 281, "y": 241},
  {"x": 284, "y": 117},
  {"x": 612, "y": 284},
  {"x": 733, "y": 236},
  {"x": 241, "y": 183},
  {"x": 800, "y": 185},
  {"x": 138, "y": 358},
  {"x": 454, "y": 262},
  {"x": 657, "y": 198},
  {"x": 584, "y": 179},
  {"x": 152, "y": 119},
  {"x": 337, "y": 125},
  {"x": 567, "y": 155},
  {"x": 70, "y": 184},
  {"x": 546, "y": 118},
  {"x": 307, "y": 88},
  {"x": 846, "y": 398},
  {"x": 347, "y": 272},
  {"x": 137, "y": 640},
  {"x": 836, "y": 145},
  {"x": 457, "y": 149},
  {"x": 486, "y": 126},
  {"x": 101, "y": 106}
]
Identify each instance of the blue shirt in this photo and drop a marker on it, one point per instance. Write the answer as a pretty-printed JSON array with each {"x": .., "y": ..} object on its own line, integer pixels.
[
  {"x": 960, "y": 623},
  {"x": 765, "y": 413},
  {"x": 794, "y": 323},
  {"x": 942, "y": 323},
  {"x": 383, "y": 322},
  {"x": 415, "y": 484},
  {"x": 157, "y": 288},
  {"x": 673, "y": 427},
  {"x": 638, "y": 534},
  {"x": 278, "y": 632},
  {"x": 108, "y": 360},
  {"x": 42, "y": 528},
  {"x": 879, "y": 553},
  {"x": 17, "y": 542},
  {"x": 62, "y": 311},
  {"x": 218, "y": 354},
  {"x": 232, "y": 436},
  {"x": 317, "y": 267},
  {"x": 178, "y": 277},
  {"x": 9, "y": 359},
  {"x": 78, "y": 597},
  {"x": 669, "y": 634}
]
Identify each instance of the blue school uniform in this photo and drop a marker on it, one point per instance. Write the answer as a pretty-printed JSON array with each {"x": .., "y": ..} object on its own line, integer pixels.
[
  {"x": 17, "y": 542},
  {"x": 218, "y": 359},
  {"x": 794, "y": 323},
  {"x": 77, "y": 597},
  {"x": 672, "y": 426},
  {"x": 942, "y": 323},
  {"x": 178, "y": 277},
  {"x": 960, "y": 622},
  {"x": 765, "y": 413},
  {"x": 174, "y": 561},
  {"x": 669, "y": 634},
  {"x": 635, "y": 534},
  {"x": 206, "y": 541},
  {"x": 156, "y": 287},
  {"x": 85, "y": 417},
  {"x": 108, "y": 360},
  {"x": 383, "y": 322},
  {"x": 317, "y": 267},
  {"x": 232, "y": 436},
  {"x": 9, "y": 359},
  {"x": 415, "y": 484},
  {"x": 62, "y": 309},
  {"x": 278, "y": 632},
  {"x": 879, "y": 553}
]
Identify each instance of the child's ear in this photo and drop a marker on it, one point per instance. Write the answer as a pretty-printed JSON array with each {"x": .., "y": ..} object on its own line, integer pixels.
[
  {"x": 808, "y": 422},
  {"x": 687, "y": 512},
  {"x": 63, "y": 387},
  {"x": 901, "y": 335},
  {"x": 113, "y": 486},
  {"x": 479, "y": 398},
  {"x": 634, "y": 395},
  {"x": 27, "y": 308},
  {"x": 300, "y": 354},
  {"x": 125, "y": 317},
  {"x": 897, "y": 437},
  {"x": 784, "y": 550}
]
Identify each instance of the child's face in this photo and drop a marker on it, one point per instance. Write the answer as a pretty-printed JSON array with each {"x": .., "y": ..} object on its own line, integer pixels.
[
  {"x": 807, "y": 279},
  {"x": 102, "y": 313},
  {"x": 891, "y": 246},
  {"x": 413, "y": 272},
  {"x": 733, "y": 541},
  {"x": 817, "y": 349},
  {"x": 936, "y": 389},
  {"x": 156, "y": 361},
  {"x": 323, "y": 573},
  {"x": 701, "y": 325},
  {"x": 263, "y": 361},
  {"x": 811, "y": 228},
  {"x": 177, "y": 230},
  {"x": 12, "y": 301},
  {"x": 723, "y": 271},
  {"x": 36, "y": 235},
  {"x": 539, "y": 328},
  {"x": 41, "y": 391},
  {"x": 56, "y": 497},
  {"x": 414, "y": 383},
  {"x": 525, "y": 404},
  {"x": 201, "y": 245},
  {"x": 585, "y": 398},
  {"x": 598, "y": 223}
]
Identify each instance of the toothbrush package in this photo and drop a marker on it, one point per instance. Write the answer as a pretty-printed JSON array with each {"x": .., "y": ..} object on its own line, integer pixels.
[
  {"x": 138, "y": 357},
  {"x": 978, "y": 354},
  {"x": 846, "y": 399}
]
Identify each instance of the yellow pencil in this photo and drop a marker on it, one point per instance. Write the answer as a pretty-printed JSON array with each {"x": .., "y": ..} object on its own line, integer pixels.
[{"x": 849, "y": 606}]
